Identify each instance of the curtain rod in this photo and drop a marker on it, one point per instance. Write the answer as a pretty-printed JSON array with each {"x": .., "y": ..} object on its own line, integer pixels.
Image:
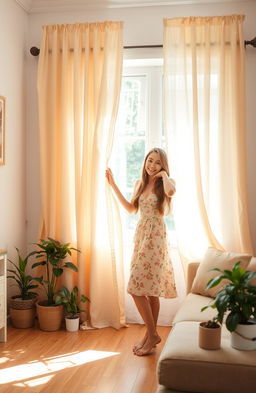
[{"x": 35, "y": 51}]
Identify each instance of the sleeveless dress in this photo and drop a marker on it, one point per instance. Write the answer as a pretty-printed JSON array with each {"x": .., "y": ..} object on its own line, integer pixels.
[{"x": 151, "y": 269}]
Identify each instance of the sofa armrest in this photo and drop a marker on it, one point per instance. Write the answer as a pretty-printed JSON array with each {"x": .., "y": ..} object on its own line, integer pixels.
[{"x": 191, "y": 272}]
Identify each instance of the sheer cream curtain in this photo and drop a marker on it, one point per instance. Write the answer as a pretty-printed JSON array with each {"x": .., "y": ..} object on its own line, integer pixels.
[
  {"x": 79, "y": 79},
  {"x": 205, "y": 126}
]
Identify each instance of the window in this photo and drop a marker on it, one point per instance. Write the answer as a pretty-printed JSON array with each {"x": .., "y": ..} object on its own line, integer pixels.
[{"x": 139, "y": 128}]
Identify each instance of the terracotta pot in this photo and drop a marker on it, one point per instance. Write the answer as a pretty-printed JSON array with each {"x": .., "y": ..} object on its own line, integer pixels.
[
  {"x": 72, "y": 324},
  {"x": 49, "y": 317},
  {"x": 244, "y": 337},
  {"x": 209, "y": 338},
  {"x": 23, "y": 319}
]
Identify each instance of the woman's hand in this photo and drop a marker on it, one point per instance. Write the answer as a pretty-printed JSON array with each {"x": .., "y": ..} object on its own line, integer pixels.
[
  {"x": 168, "y": 183},
  {"x": 109, "y": 177},
  {"x": 126, "y": 204},
  {"x": 161, "y": 174}
]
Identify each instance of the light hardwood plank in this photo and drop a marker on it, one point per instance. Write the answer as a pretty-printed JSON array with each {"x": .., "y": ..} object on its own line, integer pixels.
[{"x": 94, "y": 361}]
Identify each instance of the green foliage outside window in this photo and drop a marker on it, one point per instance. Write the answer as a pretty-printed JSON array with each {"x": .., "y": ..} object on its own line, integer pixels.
[{"x": 135, "y": 152}]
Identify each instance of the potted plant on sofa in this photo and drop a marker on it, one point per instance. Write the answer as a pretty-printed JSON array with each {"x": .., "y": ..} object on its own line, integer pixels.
[
  {"x": 210, "y": 334},
  {"x": 238, "y": 300},
  {"x": 71, "y": 301},
  {"x": 52, "y": 256},
  {"x": 22, "y": 305}
]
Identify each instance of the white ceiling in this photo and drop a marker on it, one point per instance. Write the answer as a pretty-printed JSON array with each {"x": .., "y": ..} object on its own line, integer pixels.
[{"x": 34, "y": 6}]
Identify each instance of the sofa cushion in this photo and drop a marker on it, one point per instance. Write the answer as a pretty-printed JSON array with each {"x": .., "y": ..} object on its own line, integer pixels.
[
  {"x": 184, "y": 366},
  {"x": 190, "y": 275},
  {"x": 190, "y": 309},
  {"x": 220, "y": 259}
]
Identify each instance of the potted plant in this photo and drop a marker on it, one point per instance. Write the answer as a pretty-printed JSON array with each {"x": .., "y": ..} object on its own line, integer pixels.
[
  {"x": 238, "y": 300},
  {"x": 209, "y": 334},
  {"x": 22, "y": 305},
  {"x": 52, "y": 256},
  {"x": 71, "y": 301}
]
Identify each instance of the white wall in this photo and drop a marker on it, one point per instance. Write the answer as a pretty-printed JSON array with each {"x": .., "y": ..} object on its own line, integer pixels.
[
  {"x": 13, "y": 32},
  {"x": 141, "y": 26}
]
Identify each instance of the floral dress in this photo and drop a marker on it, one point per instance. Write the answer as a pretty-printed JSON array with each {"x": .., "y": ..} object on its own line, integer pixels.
[{"x": 151, "y": 269}]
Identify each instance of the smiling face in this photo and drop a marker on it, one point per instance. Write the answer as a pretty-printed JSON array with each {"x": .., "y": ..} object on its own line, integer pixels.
[{"x": 153, "y": 164}]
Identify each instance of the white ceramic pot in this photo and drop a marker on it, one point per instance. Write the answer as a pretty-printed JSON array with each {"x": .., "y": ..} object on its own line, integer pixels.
[
  {"x": 72, "y": 324},
  {"x": 244, "y": 337}
]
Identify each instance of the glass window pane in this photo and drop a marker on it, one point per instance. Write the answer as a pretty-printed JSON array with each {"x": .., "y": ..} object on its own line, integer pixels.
[
  {"x": 132, "y": 109},
  {"x": 135, "y": 153}
]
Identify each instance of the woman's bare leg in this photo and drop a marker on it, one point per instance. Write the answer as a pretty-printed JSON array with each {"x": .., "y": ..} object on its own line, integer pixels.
[
  {"x": 155, "y": 306},
  {"x": 144, "y": 307}
]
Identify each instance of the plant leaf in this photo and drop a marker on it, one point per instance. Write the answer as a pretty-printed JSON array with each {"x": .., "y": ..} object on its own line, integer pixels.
[
  {"x": 57, "y": 271},
  {"x": 58, "y": 300},
  {"x": 214, "y": 282},
  {"x": 233, "y": 319},
  {"x": 71, "y": 266},
  {"x": 42, "y": 263},
  {"x": 84, "y": 299}
]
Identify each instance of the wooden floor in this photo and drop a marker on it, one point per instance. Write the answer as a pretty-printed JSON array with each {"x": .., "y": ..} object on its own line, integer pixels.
[{"x": 94, "y": 361}]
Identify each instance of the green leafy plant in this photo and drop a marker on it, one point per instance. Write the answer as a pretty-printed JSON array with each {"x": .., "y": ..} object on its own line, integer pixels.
[
  {"x": 53, "y": 254},
  {"x": 24, "y": 281},
  {"x": 71, "y": 301},
  {"x": 238, "y": 297}
]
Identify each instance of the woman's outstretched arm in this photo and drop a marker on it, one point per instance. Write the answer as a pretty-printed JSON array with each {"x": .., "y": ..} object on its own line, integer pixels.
[{"x": 126, "y": 204}]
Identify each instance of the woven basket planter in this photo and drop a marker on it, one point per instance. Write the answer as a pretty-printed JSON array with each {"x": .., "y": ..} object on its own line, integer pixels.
[
  {"x": 19, "y": 304},
  {"x": 24, "y": 318},
  {"x": 22, "y": 312}
]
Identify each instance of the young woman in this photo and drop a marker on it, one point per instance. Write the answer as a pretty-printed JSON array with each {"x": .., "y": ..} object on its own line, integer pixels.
[{"x": 151, "y": 271}]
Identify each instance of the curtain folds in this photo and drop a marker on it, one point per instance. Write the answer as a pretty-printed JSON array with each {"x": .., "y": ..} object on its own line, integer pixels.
[
  {"x": 79, "y": 80},
  {"x": 205, "y": 129}
]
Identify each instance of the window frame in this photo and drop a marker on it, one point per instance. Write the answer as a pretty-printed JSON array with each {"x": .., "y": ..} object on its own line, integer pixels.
[{"x": 154, "y": 121}]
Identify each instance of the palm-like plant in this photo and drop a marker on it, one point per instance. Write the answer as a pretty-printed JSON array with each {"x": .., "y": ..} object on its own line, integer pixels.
[
  {"x": 24, "y": 281},
  {"x": 54, "y": 254},
  {"x": 238, "y": 296},
  {"x": 71, "y": 301}
]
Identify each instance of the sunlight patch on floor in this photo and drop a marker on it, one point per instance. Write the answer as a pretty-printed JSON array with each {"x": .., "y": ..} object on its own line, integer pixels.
[
  {"x": 3, "y": 360},
  {"x": 35, "y": 381},
  {"x": 47, "y": 366}
]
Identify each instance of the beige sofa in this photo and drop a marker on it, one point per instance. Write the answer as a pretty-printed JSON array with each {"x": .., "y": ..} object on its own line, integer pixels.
[{"x": 183, "y": 366}]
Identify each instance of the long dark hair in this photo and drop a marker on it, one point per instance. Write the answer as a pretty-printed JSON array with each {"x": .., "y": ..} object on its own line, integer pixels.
[{"x": 158, "y": 188}]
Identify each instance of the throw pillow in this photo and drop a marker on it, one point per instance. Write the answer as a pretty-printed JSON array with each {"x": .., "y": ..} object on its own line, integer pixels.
[
  {"x": 220, "y": 259},
  {"x": 252, "y": 267}
]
